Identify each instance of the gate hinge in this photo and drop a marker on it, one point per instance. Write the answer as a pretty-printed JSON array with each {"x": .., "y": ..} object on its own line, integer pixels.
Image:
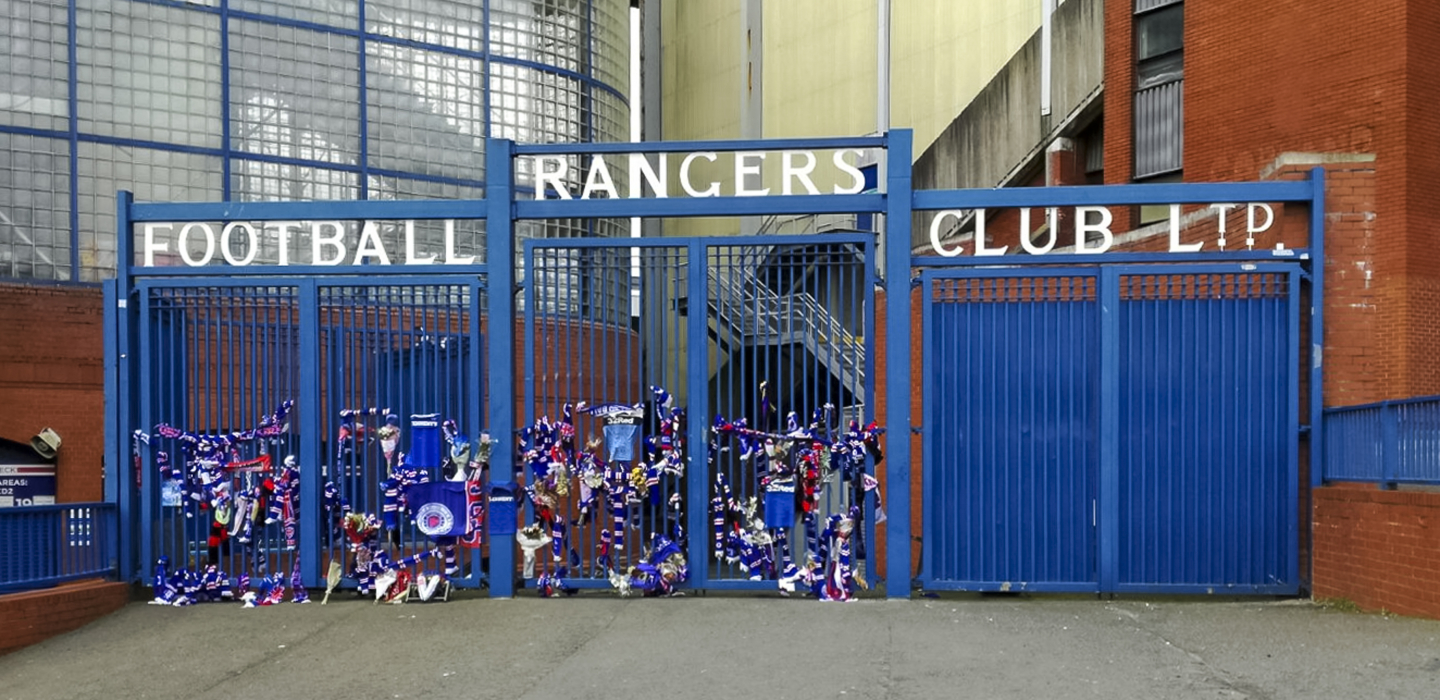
[
  {"x": 1304, "y": 430},
  {"x": 916, "y": 430},
  {"x": 1305, "y": 275},
  {"x": 915, "y": 282}
]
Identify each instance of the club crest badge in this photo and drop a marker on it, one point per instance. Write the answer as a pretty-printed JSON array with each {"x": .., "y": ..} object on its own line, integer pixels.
[{"x": 434, "y": 519}]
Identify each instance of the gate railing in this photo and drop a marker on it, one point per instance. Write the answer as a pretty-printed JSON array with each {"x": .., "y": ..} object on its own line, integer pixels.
[
  {"x": 1390, "y": 442},
  {"x": 41, "y": 546}
]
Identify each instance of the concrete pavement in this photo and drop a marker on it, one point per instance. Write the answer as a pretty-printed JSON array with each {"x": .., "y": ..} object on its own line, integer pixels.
[{"x": 736, "y": 646}]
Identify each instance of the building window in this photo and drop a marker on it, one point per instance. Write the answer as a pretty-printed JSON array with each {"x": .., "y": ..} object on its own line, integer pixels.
[{"x": 1159, "y": 112}]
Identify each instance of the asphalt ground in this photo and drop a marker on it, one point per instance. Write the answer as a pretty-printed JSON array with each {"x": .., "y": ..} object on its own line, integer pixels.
[{"x": 598, "y": 645}]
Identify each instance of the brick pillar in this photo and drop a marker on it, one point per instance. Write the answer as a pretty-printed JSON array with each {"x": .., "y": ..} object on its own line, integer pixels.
[{"x": 882, "y": 356}]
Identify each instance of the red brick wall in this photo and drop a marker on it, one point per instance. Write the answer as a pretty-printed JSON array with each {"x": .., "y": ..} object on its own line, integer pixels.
[
  {"x": 35, "y": 616},
  {"x": 916, "y": 482},
  {"x": 1378, "y": 548},
  {"x": 1348, "y": 87},
  {"x": 52, "y": 375},
  {"x": 1422, "y": 206},
  {"x": 1312, "y": 78}
]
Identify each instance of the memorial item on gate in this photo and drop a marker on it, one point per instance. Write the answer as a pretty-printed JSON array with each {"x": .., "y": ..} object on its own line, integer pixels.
[
  {"x": 284, "y": 487},
  {"x": 427, "y": 587},
  {"x": 552, "y": 585},
  {"x": 659, "y": 572},
  {"x": 838, "y": 582},
  {"x": 203, "y": 474},
  {"x": 530, "y": 538},
  {"x": 441, "y": 511},
  {"x": 456, "y": 465},
  {"x": 791, "y": 469},
  {"x": 389, "y": 436},
  {"x": 405, "y": 475},
  {"x": 332, "y": 579},
  {"x": 298, "y": 594}
]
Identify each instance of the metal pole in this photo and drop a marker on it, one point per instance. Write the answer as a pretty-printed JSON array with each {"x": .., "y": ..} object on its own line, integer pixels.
[
  {"x": 1047, "y": 8},
  {"x": 882, "y": 121}
]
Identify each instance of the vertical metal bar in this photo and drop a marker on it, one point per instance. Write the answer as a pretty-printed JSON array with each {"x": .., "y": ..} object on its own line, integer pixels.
[
  {"x": 1317, "y": 331},
  {"x": 475, "y": 391},
  {"x": 311, "y": 426},
  {"x": 928, "y": 391},
  {"x": 1108, "y": 291},
  {"x": 897, "y": 374},
  {"x": 225, "y": 123},
  {"x": 116, "y": 458},
  {"x": 118, "y": 350},
  {"x": 148, "y": 511},
  {"x": 698, "y": 366},
  {"x": 72, "y": 83},
  {"x": 1389, "y": 444},
  {"x": 363, "y": 104},
  {"x": 500, "y": 257},
  {"x": 867, "y": 296},
  {"x": 1291, "y": 485}
]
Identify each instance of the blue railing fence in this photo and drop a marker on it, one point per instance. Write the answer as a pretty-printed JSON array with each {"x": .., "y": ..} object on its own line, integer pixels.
[
  {"x": 41, "y": 546},
  {"x": 1390, "y": 442}
]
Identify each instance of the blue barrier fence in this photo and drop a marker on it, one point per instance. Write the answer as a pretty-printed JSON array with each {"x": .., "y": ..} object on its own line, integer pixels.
[
  {"x": 1391, "y": 442},
  {"x": 41, "y": 546}
]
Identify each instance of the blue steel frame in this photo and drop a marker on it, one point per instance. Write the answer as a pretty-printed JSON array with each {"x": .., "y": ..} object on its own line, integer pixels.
[{"x": 501, "y": 209}]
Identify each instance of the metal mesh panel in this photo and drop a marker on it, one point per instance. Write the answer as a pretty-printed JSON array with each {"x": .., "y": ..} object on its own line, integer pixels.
[
  {"x": 150, "y": 72},
  {"x": 256, "y": 180},
  {"x": 456, "y": 24}
]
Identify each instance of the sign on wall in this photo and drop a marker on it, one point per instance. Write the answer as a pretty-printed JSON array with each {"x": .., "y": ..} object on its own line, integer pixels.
[{"x": 27, "y": 485}]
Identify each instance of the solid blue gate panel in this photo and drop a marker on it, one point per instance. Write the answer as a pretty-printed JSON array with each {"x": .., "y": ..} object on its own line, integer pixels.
[
  {"x": 1010, "y": 434},
  {"x": 1204, "y": 446}
]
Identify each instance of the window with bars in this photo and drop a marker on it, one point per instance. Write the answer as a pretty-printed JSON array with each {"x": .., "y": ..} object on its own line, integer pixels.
[{"x": 1159, "y": 109}]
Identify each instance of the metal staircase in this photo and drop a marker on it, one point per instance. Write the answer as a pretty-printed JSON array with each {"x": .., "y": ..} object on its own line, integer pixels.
[{"x": 746, "y": 312}]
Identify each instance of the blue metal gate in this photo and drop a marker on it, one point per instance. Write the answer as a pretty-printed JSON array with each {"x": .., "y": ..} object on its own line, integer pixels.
[
  {"x": 720, "y": 345},
  {"x": 1111, "y": 429},
  {"x": 1096, "y": 428},
  {"x": 235, "y": 372}
]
